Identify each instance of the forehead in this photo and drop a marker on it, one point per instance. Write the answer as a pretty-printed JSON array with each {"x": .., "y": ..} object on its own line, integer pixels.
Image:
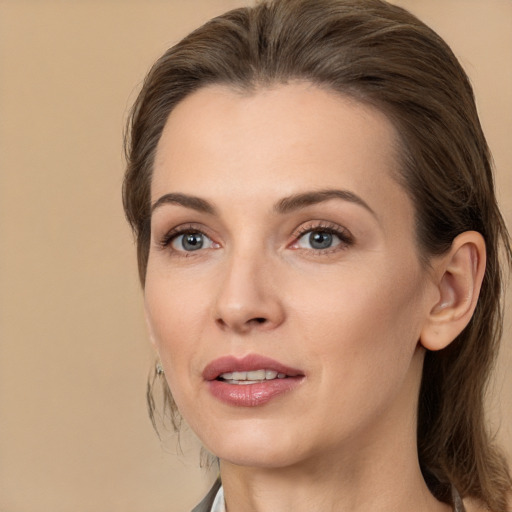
[{"x": 274, "y": 141}]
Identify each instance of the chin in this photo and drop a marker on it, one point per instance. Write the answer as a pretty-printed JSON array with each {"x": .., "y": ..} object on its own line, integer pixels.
[
  {"x": 258, "y": 458},
  {"x": 253, "y": 447}
]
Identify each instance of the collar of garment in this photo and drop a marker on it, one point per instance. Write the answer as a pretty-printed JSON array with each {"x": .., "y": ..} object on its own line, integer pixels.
[{"x": 219, "y": 504}]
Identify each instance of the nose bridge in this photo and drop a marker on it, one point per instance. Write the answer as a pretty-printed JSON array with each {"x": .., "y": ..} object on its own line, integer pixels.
[{"x": 247, "y": 297}]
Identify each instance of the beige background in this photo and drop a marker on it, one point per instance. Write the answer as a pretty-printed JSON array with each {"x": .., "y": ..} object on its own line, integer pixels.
[{"x": 74, "y": 356}]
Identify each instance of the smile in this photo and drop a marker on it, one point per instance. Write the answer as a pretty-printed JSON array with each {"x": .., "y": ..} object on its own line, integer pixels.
[{"x": 251, "y": 381}]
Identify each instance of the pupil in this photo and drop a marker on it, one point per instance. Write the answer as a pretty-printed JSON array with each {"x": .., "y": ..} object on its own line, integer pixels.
[
  {"x": 192, "y": 241},
  {"x": 320, "y": 239}
]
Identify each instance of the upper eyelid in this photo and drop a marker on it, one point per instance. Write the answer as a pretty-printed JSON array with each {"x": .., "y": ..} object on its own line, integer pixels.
[{"x": 321, "y": 225}]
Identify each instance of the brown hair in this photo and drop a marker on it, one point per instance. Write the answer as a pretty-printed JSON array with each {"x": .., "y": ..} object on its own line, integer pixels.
[{"x": 380, "y": 55}]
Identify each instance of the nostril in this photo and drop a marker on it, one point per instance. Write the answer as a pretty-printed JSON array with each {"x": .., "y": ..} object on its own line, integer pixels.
[
  {"x": 221, "y": 323},
  {"x": 242, "y": 325}
]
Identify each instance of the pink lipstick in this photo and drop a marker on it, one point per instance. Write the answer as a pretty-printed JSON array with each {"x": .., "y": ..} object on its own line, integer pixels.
[{"x": 250, "y": 381}]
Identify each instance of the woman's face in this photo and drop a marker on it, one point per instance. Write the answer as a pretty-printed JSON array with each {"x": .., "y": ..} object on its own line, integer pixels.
[{"x": 281, "y": 242}]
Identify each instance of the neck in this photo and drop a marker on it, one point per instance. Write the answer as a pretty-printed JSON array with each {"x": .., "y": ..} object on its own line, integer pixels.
[
  {"x": 389, "y": 484},
  {"x": 377, "y": 470}
]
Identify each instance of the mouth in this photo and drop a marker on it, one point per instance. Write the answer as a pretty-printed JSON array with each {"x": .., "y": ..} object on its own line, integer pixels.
[
  {"x": 250, "y": 381},
  {"x": 248, "y": 369},
  {"x": 252, "y": 377}
]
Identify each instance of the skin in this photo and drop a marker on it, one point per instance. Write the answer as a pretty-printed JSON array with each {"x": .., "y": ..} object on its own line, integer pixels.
[{"x": 350, "y": 317}]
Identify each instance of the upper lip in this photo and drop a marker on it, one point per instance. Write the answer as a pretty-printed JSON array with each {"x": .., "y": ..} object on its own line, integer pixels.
[{"x": 248, "y": 363}]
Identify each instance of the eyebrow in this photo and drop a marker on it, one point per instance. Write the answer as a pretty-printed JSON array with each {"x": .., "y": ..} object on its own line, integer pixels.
[
  {"x": 286, "y": 205},
  {"x": 298, "y": 201},
  {"x": 192, "y": 202}
]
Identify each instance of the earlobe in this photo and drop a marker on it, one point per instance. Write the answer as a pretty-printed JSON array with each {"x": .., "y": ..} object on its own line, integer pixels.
[{"x": 459, "y": 275}]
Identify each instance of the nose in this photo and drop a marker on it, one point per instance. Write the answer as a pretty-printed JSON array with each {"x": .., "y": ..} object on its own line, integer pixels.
[{"x": 248, "y": 297}]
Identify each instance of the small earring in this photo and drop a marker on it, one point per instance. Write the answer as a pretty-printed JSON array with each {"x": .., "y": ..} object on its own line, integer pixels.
[{"x": 159, "y": 369}]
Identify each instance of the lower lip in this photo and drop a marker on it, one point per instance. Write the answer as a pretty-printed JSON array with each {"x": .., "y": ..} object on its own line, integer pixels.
[{"x": 252, "y": 395}]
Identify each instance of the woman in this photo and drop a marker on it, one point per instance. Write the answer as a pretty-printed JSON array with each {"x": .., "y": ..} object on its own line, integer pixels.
[{"x": 318, "y": 241}]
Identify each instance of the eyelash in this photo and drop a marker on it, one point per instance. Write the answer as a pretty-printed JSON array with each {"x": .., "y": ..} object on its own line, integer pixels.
[
  {"x": 345, "y": 237},
  {"x": 169, "y": 237}
]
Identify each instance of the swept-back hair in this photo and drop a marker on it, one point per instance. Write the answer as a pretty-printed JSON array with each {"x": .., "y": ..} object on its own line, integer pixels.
[{"x": 383, "y": 56}]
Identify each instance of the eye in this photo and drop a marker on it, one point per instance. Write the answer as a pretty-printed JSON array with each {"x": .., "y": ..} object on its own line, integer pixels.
[
  {"x": 191, "y": 241},
  {"x": 318, "y": 239},
  {"x": 322, "y": 237}
]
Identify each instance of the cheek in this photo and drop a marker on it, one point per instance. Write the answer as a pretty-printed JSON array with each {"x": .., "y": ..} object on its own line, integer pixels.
[
  {"x": 171, "y": 333},
  {"x": 176, "y": 319},
  {"x": 360, "y": 338},
  {"x": 363, "y": 320}
]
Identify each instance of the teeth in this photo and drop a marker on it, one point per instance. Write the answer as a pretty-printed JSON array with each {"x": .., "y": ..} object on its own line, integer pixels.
[
  {"x": 256, "y": 375},
  {"x": 251, "y": 377}
]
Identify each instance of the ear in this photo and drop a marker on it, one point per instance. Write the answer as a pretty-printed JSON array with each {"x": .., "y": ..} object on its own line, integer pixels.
[{"x": 458, "y": 278}]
